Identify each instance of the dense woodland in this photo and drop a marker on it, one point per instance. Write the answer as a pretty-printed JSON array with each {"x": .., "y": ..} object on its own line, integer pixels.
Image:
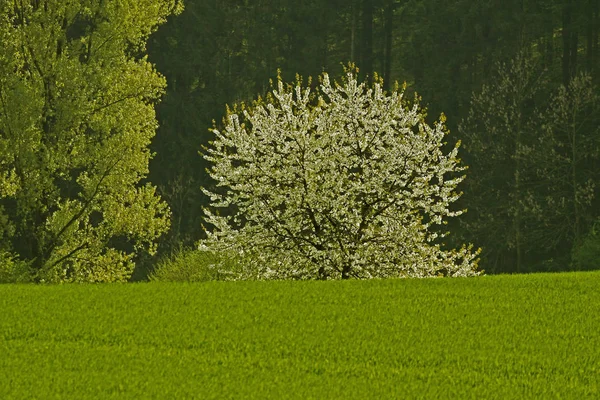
[
  {"x": 494, "y": 68},
  {"x": 83, "y": 84}
]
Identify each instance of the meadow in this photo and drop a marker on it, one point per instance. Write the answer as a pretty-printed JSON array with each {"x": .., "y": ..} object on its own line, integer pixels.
[{"x": 507, "y": 336}]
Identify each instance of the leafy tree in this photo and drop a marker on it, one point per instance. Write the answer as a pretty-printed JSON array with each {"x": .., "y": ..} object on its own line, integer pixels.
[
  {"x": 586, "y": 253},
  {"x": 566, "y": 164},
  {"x": 76, "y": 120},
  {"x": 346, "y": 181},
  {"x": 499, "y": 134},
  {"x": 534, "y": 155}
]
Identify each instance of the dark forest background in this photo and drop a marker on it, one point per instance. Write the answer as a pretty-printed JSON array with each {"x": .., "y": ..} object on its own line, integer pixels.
[{"x": 515, "y": 78}]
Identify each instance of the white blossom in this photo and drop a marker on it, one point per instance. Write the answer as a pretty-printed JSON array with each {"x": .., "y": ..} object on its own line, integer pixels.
[{"x": 346, "y": 181}]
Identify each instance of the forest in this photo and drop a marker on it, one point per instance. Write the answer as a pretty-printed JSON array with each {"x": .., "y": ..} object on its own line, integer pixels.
[{"x": 516, "y": 82}]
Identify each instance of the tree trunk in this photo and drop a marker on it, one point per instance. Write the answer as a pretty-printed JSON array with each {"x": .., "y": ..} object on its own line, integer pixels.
[
  {"x": 353, "y": 23},
  {"x": 517, "y": 221},
  {"x": 570, "y": 43},
  {"x": 321, "y": 274},
  {"x": 574, "y": 161},
  {"x": 596, "y": 30},
  {"x": 346, "y": 271},
  {"x": 367, "y": 40},
  {"x": 387, "y": 62},
  {"x": 324, "y": 48},
  {"x": 592, "y": 37},
  {"x": 589, "y": 48},
  {"x": 574, "y": 48},
  {"x": 549, "y": 58}
]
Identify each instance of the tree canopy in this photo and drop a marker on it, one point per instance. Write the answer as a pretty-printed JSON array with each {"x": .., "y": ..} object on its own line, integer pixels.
[
  {"x": 343, "y": 181},
  {"x": 77, "y": 98}
]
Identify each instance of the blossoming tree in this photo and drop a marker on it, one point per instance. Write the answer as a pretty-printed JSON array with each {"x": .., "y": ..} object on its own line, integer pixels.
[{"x": 344, "y": 181}]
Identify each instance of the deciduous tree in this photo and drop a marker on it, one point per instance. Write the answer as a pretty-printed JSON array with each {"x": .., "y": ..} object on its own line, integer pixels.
[
  {"x": 346, "y": 181},
  {"x": 566, "y": 164},
  {"x": 499, "y": 133},
  {"x": 76, "y": 117}
]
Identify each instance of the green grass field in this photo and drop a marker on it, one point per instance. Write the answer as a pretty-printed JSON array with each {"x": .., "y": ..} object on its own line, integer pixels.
[{"x": 504, "y": 337}]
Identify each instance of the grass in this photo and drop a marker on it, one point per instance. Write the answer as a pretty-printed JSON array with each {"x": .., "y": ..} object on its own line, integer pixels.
[
  {"x": 520, "y": 336},
  {"x": 191, "y": 265}
]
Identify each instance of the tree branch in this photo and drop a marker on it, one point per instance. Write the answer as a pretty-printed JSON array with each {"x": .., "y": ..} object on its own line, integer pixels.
[{"x": 82, "y": 211}]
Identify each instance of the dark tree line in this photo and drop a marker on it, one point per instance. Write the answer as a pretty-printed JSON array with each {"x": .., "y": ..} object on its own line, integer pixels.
[{"x": 454, "y": 54}]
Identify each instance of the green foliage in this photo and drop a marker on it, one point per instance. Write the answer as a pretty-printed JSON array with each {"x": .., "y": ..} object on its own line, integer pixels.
[
  {"x": 343, "y": 181},
  {"x": 494, "y": 337},
  {"x": 13, "y": 270},
  {"x": 533, "y": 149},
  {"x": 586, "y": 254},
  {"x": 566, "y": 161},
  {"x": 499, "y": 134},
  {"x": 191, "y": 265},
  {"x": 76, "y": 119}
]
